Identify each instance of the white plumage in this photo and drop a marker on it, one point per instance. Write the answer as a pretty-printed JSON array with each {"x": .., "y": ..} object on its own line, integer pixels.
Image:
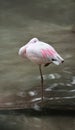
[{"x": 40, "y": 52}]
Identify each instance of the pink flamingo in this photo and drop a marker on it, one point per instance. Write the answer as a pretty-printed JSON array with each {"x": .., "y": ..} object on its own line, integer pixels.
[{"x": 40, "y": 53}]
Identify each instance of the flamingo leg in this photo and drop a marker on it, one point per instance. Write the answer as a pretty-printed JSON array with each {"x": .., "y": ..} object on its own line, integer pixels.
[{"x": 41, "y": 81}]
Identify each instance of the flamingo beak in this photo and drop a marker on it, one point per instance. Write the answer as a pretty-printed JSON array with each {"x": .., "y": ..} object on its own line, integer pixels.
[{"x": 62, "y": 61}]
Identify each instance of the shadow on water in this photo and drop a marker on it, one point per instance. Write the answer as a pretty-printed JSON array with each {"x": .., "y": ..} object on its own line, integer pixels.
[
  {"x": 29, "y": 119},
  {"x": 42, "y": 112}
]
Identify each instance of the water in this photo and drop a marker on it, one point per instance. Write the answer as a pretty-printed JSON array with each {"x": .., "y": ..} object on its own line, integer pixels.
[{"x": 51, "y": 22}]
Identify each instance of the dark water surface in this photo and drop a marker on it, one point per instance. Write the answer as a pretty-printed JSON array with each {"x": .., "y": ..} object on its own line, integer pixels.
[{"x": 52, "y": 22}]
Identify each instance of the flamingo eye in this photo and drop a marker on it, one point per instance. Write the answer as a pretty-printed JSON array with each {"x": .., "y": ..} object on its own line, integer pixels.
[{"x": 35, "y": 41}]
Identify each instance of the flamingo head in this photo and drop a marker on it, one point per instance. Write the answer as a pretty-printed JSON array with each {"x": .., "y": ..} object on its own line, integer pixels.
[{"x": 33, "y": 40}]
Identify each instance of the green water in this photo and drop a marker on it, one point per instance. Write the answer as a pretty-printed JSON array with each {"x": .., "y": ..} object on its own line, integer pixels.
[{"x": 51, "y": 22}]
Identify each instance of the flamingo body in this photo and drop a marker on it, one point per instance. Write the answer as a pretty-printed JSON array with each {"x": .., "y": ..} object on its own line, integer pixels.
[{"x": 40, "y": 52}]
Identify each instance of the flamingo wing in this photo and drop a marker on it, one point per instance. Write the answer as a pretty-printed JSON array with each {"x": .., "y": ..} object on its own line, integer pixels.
[{"x": 40, "y": 53}]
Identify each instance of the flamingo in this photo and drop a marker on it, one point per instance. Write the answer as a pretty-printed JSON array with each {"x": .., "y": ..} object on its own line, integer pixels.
[{"x": 40, "y": 53}]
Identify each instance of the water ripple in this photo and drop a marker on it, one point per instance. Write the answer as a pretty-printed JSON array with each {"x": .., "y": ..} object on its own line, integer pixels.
[
  {"x": 36, "y": 99},
  {"x": 51, "y": 87},
  {"x": 72, "y": 90},
  {"x": 36, "y": 107},
  {"x": 50, "y": 76},
  {"x": 32, "y": 93},
  {"x": 73, "y": 80}
]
